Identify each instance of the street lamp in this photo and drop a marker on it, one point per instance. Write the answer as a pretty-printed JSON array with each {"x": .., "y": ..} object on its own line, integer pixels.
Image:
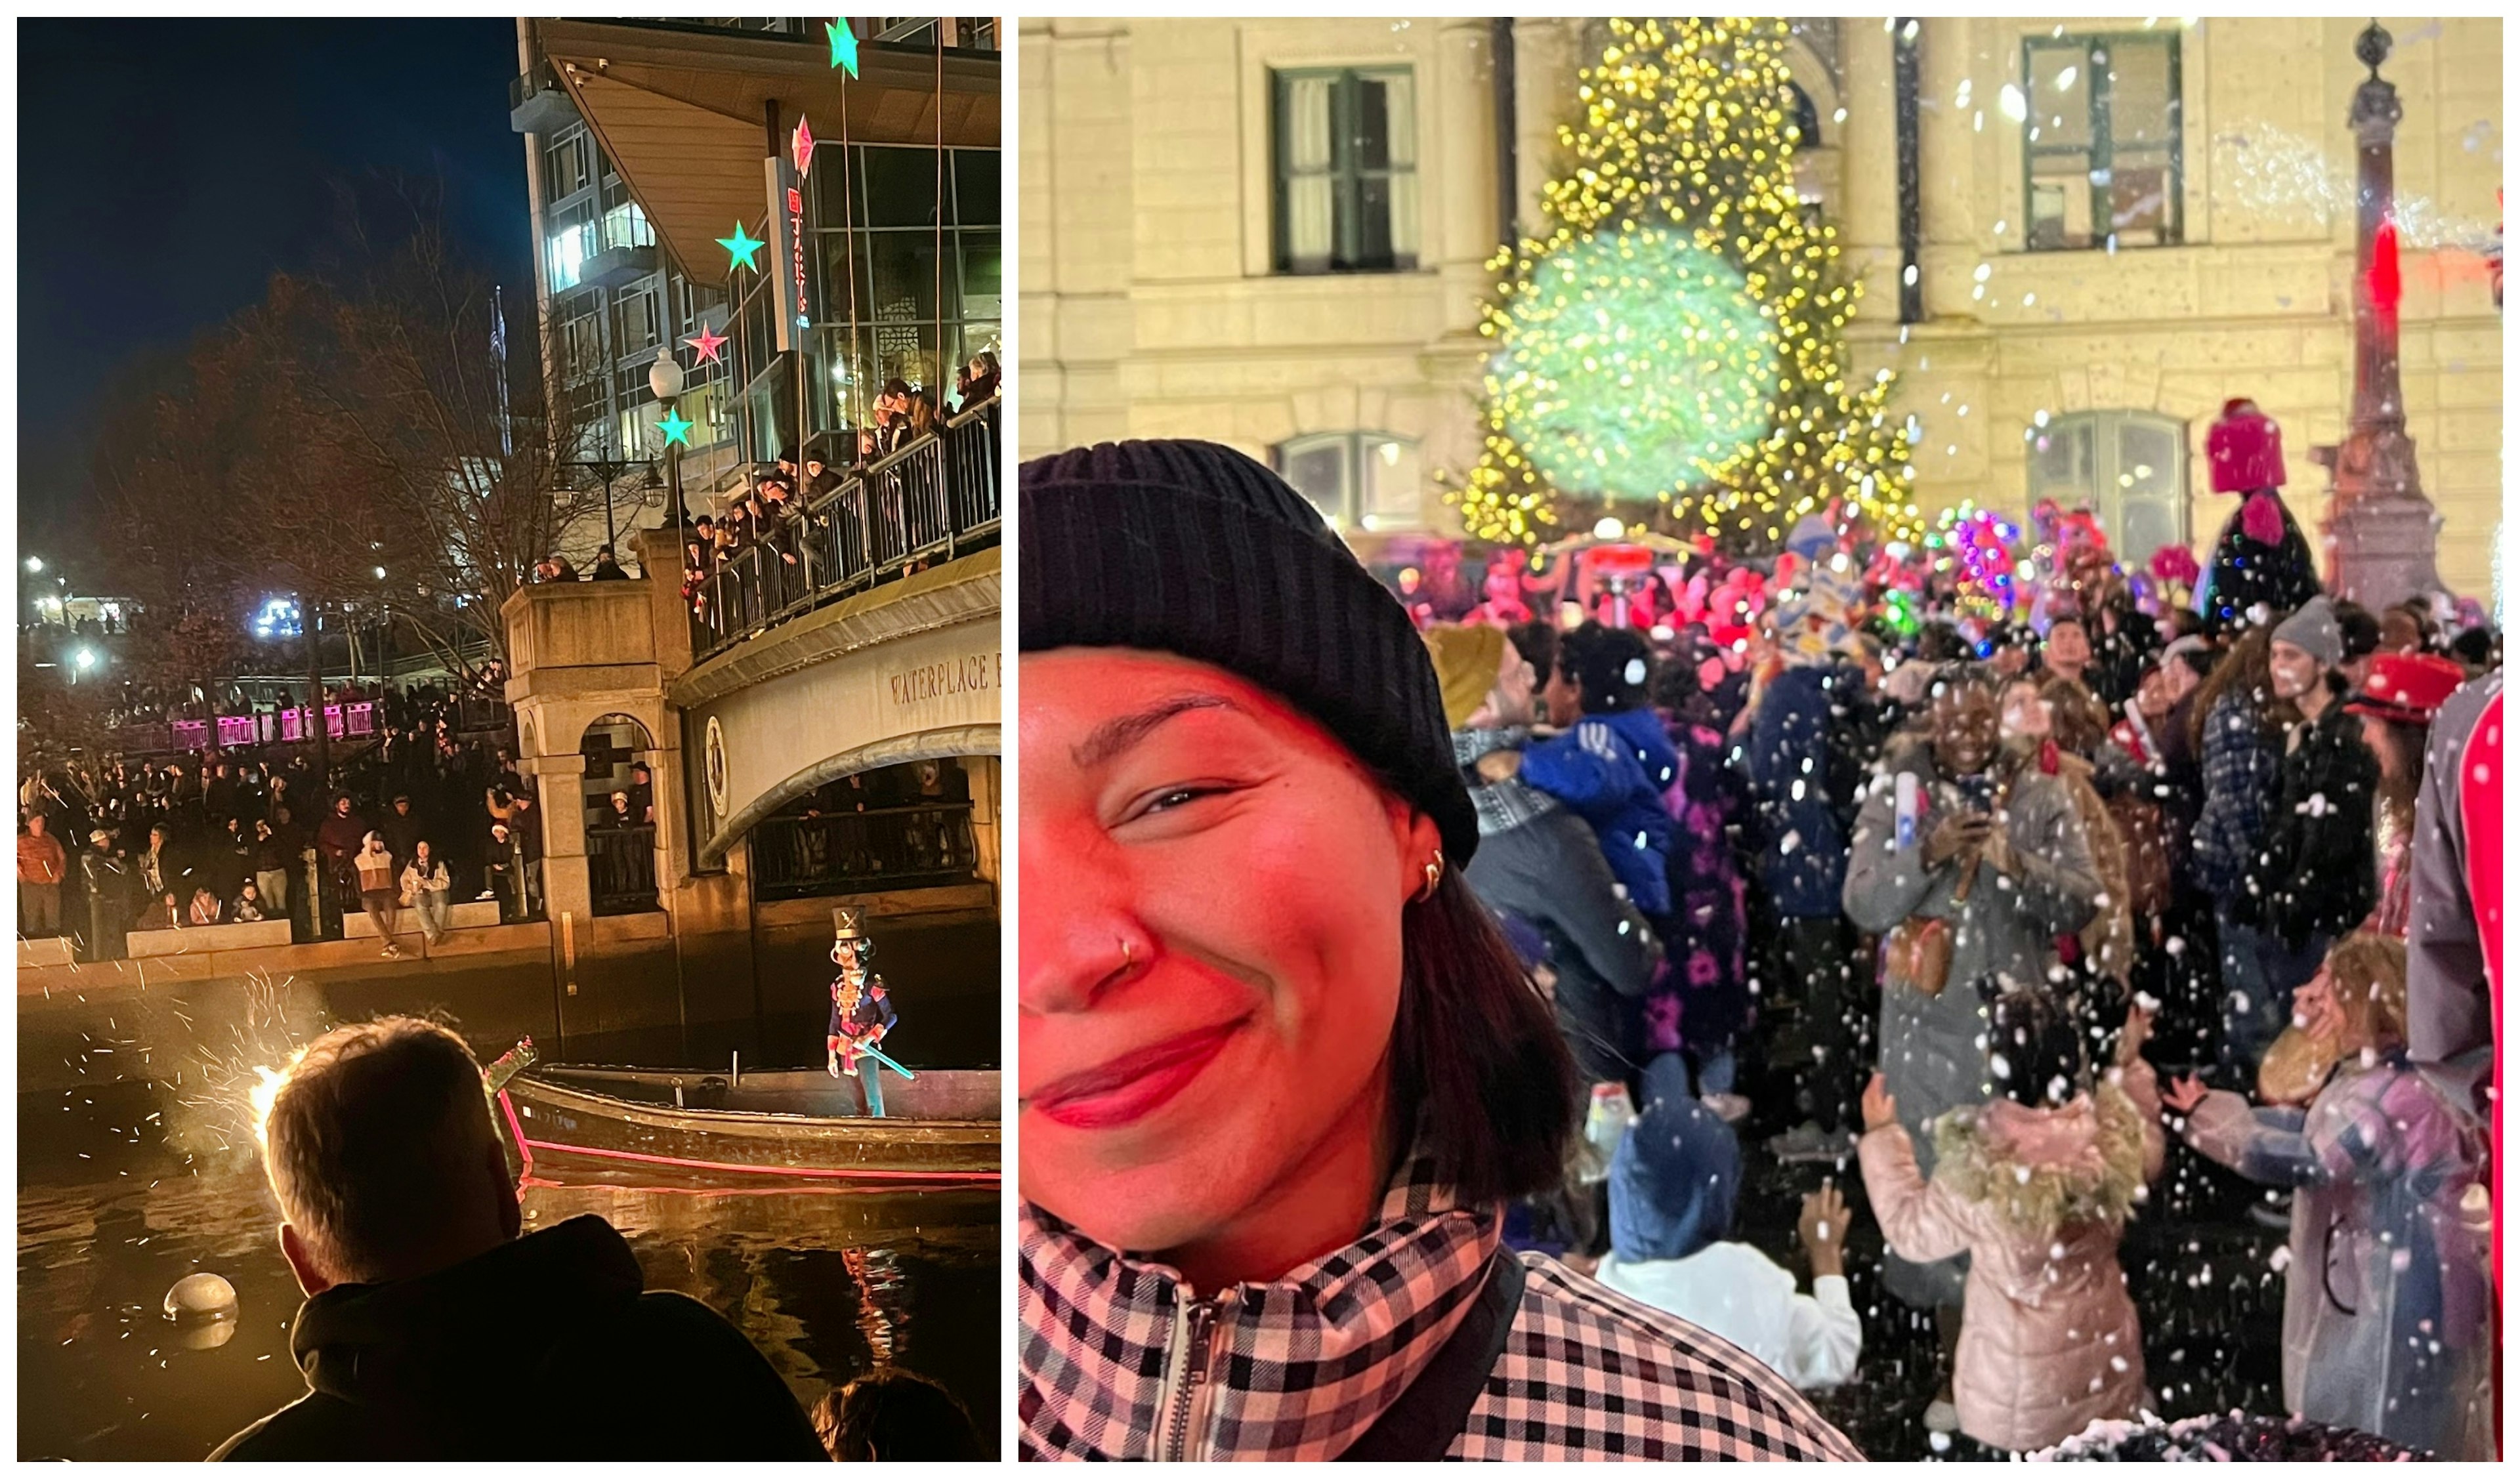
[{"x": 666, "y": 378}]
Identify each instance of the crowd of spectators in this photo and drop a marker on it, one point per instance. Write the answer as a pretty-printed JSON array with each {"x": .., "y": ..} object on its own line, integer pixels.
[
  {"x": 420, "y": 814},
  {"x": 1967, "y": 892},
  {"x": 773, "y": 512}
]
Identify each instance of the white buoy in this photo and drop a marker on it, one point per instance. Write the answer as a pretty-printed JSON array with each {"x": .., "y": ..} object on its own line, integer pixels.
[{"x": 201, "y": 1296}]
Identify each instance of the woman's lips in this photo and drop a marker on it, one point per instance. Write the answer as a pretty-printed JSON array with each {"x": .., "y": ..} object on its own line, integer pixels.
[{"x": 1133, "y": 1086}]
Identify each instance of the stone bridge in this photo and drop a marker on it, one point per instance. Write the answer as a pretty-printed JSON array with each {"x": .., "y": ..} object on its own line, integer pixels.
[{"x": 603, "y": 677}]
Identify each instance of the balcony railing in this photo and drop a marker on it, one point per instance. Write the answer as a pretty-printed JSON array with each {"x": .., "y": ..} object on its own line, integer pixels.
[
  {"x": 621, "y": 869},
  {"x": 858, "y": 852},
  {"x": 935, "y": 500}
]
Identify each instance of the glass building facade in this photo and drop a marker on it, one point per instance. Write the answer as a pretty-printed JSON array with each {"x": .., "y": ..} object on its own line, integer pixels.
[
  {"x": 904, "y": 259},
  {"x": 905, "y": 280}
]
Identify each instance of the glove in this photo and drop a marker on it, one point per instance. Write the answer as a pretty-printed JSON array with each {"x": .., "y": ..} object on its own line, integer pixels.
[{"x": 836, "y": 1065}]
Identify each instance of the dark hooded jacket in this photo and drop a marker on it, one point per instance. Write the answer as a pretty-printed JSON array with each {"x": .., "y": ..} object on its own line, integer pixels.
[
  {"x": 1538, "y": 860},
  {"x": 2316, "y": 875},
  {"x": 545, "y": 1348}
]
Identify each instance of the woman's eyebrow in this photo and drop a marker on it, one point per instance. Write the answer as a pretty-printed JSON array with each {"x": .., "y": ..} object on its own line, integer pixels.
[{"x": 1116, "y": 735}]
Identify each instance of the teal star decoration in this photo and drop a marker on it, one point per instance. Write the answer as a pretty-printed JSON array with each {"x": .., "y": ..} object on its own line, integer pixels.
[
  {"x": 741, "y": 247},
  {"x": 844, "y": 45},
  {"x": 675, "y": 428}
]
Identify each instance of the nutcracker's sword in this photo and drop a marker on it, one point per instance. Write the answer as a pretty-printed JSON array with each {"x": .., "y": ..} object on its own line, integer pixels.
[{"x": 869, "y": 1051}]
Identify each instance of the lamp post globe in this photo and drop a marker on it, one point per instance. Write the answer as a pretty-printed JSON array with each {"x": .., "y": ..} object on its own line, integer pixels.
[{"x": 666, "y": 378}]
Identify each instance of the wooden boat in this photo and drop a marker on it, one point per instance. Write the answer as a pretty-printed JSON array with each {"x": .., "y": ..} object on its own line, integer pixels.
[{"x": 941, "y": 1127}]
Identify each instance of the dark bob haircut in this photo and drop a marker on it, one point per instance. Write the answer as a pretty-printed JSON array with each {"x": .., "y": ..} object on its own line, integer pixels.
[
  {"x": 1479, "y": 1076},
  {"x": 1613, "y": 663}
]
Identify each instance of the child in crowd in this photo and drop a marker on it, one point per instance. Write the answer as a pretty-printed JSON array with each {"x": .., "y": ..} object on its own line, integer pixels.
[
  {"x": 2388, "y": 1313},
  {"x": 1673, "y": 1184},
  {"x": 2036, "y": 1186}
]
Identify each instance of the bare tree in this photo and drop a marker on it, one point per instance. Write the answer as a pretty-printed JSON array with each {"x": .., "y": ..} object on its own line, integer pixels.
[{"x": 362, "y": 441}]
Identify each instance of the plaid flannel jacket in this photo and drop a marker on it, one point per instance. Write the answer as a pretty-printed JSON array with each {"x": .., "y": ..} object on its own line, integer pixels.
[{"x": 1299, "y": 1369}]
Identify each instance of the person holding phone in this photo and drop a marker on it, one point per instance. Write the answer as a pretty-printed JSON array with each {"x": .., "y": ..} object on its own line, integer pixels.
[{"x": 1994, "y": 873}]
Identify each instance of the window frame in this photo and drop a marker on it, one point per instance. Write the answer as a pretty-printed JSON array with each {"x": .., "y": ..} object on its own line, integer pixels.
[
  {"x": 2105, "y": 494},
  {"x": 1354, "y": 448},
  {"x": 2100, "y": 153},
  {"x": 1348, "y": 179}
]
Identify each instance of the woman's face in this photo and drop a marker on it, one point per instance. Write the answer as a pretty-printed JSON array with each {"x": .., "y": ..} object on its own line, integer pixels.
[
  {"x": 1210, "y": 946},
  {"x": 2382, "y": 744},
  {"x": 2025, "y": 713},
  {"x": 2315, "y": 1009},
  {"x": 2293, "y": 669},
  {"x": 1968, "y": 728},
  {"x": 2152, "y": 697}
]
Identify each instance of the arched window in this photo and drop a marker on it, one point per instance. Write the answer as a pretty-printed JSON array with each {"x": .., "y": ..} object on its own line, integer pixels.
[
  {"x": 1358, "y": 479},
  {"x": 2130, "y": 467},
  {"x": 621, "y": 834},
  {"x": 1806, "y": 117}
]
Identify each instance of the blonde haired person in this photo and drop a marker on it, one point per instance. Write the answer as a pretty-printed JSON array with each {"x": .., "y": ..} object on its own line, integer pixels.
[
  {"x": 432, "y": 1329},
  {"x": 2388, "y": 1313}
]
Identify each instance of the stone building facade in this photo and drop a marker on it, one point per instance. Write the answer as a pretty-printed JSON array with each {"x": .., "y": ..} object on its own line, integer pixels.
[{"x": 1162, "y": 294}]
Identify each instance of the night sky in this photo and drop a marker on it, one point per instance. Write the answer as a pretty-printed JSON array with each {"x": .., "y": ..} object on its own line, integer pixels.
[{"x": 166, "y": 168}]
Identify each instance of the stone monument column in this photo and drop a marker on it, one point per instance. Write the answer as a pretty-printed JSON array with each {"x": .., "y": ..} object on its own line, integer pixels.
[{"x": 2381, "y": 528}]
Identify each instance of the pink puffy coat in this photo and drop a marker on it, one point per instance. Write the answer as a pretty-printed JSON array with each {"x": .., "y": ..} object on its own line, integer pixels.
[{"x": 2049, "y": 1339}]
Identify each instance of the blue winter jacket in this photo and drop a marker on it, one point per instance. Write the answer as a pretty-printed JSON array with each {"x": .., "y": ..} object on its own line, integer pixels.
[
  {"x": 1611, "y": 770},
  {"x": 1802, "y": 837}
]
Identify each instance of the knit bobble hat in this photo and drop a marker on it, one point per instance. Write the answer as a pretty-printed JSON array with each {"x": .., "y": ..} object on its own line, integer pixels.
[{"x": 1193, "y": 549}]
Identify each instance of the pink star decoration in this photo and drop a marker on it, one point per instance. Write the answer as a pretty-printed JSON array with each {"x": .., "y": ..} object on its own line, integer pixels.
[
  {"x": 801, "y": 145},
  {"x": 710, "y": 344}
]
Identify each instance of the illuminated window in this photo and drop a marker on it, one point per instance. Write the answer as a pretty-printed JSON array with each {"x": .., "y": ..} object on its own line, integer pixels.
[
  {"x": 568, "y": 166},
  {"x": 1358, "y": 479},
  {"x": 627, "y": 225},
  {"x": 2101, "y": 140},
  {"x": 1346, "y": 160},
  {"x": 571, "y": 244},
  {"x": 2127, "y": 466}
]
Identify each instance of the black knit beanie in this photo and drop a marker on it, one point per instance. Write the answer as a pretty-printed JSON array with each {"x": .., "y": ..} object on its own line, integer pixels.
[{"x": 1191, "y": 548}]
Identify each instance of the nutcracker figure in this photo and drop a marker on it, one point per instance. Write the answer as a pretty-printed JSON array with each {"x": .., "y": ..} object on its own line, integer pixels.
[{"x": 862, "y": 1015}]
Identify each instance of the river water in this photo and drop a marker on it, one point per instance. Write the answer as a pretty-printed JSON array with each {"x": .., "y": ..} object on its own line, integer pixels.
[{"x": 122, "y": 1194}]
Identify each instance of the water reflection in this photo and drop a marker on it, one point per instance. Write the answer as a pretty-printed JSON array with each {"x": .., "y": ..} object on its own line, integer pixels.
[{"x": 829, "y": 1280}]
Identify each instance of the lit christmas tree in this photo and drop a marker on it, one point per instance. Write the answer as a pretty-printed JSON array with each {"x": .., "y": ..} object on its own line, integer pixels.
[{"x": 1673, "y": 353}]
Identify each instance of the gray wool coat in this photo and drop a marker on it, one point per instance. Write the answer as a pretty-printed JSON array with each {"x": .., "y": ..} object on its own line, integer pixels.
[{"x": 1934, "y": 1049}]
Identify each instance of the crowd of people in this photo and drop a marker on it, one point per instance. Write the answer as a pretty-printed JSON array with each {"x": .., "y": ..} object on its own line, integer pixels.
[
  {"x": 772, "y": 513},
  {"x": 422, "y": 816},
  {"x": 1992, "y": 905}
]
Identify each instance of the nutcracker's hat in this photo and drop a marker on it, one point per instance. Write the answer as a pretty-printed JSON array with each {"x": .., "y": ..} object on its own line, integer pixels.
[{"x": 848, "y": 923}]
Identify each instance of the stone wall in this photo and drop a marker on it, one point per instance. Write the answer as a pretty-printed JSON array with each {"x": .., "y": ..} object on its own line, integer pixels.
[{"x": 1150, "y": 309}]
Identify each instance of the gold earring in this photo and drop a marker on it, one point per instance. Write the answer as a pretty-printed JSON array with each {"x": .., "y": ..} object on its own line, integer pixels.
[{"x": 1434, "y": 875}]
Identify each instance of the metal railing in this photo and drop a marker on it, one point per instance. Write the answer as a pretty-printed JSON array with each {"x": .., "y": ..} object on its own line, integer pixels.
[
  {"x": 933, "y": 501},
  {"x": 621, "y": 869},
  {"x": 852, "y": 852}
]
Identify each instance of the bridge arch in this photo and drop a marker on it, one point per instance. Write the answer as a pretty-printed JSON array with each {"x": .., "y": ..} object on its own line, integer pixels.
[{"x": 950, "y": 742}]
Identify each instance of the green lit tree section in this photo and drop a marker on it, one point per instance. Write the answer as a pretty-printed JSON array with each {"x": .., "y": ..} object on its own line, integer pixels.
[{"x": 1673, "y": 353}]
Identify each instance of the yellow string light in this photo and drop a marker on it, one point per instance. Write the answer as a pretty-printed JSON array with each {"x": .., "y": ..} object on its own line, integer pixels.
[{"x": 1686, "y": 126}]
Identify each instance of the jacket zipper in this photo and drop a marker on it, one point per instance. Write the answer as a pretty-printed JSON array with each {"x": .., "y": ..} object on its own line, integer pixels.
[{"x": 1194, "y": 1346}]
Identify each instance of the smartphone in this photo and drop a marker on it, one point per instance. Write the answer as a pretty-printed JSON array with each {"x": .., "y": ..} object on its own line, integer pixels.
[{"x": 1977, "y": 792}]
